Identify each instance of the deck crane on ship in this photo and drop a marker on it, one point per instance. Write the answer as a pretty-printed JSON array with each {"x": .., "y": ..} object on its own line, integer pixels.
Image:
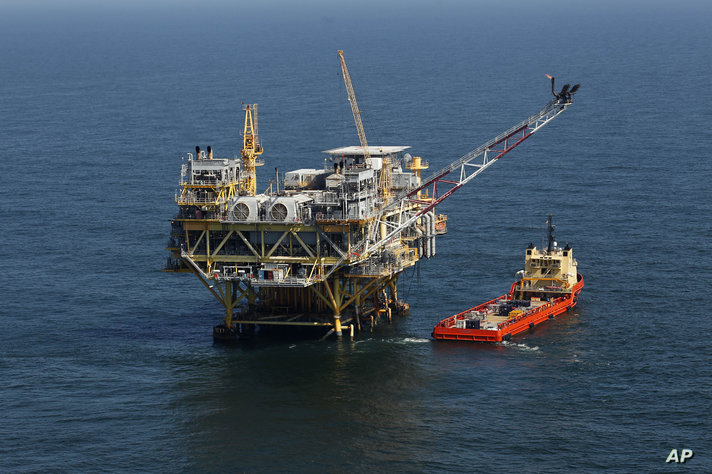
[{"x": 326, "y": 250}]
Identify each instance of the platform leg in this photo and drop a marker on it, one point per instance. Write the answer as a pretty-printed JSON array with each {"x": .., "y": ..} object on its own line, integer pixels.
[
  {"x": 357, "y": 306},
  {"x": 394, "y": 289},
  {"x": 228, "y": 303},
  {"x": 337, "y": 325}
]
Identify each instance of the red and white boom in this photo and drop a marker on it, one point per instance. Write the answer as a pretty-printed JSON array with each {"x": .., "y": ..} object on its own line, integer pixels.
[{"x": 462, "y": 171}]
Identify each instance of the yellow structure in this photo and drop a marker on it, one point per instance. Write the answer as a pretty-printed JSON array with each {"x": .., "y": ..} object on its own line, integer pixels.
[
  {"x": 354, "y": 108},
  {"x": 297, "y": 257},
  {"x": 549, "y": 270},
  {"x": 251, "y": 149},
  {"x": 209, "y": 186},
  {"x": 417, "y": 164}
]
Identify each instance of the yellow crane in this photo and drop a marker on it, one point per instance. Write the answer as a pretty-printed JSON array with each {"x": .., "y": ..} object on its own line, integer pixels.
[
  {"x": 385, "y": 179},
  {"x": 354, "y": 109},
  {"x": 251, "y": 148}
]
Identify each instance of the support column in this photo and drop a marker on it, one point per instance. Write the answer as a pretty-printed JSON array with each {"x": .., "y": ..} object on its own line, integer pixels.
[
  {"x": 251, "y": 298},
  {"x": 357, "y": 310},
  {"x": 229, "y": 303},
  {"x": 337, "y": 325},
  {"x": 334, "y": 301},
  {"x": 394, "y": 288},
  {"x": 337, "y": 308},
  {"x": 225, "y": 332}
]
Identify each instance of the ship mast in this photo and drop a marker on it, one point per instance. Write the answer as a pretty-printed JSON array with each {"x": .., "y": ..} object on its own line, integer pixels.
[{"x": 550, "y": 237}]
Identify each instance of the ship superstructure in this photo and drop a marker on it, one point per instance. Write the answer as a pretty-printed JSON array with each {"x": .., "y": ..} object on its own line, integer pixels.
[
  {"x": 549, "y": 271},
  {"x": 327, "y": 245}
]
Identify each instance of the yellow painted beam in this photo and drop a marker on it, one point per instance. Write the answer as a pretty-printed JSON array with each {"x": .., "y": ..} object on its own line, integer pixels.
[
  {"x": 262, "y": 243},
  {"x": 333, "y": 304},
  {"x": 247, "y": 242},
  {"x": 358, "y": 293},
  {"x": 283, "y": 323},
  {"x": 207, "y": 285},
  {"x": 224, "y": 241},
  {"x": 190, "y": 251},
  {"x": 306, "y": 248},
  {"x": 279, "y": 241},
  {"x": 318, "y": 293},
  {"x": 192, "y": 224}
]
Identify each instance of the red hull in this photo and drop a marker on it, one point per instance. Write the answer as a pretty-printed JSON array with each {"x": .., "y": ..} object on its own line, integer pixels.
[{"x": 505, "y": 330}]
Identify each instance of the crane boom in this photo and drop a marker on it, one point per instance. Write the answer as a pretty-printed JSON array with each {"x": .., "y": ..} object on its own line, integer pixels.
[
  {"x": 490, "y": 152},
  {"x": 354, "y": 109}
]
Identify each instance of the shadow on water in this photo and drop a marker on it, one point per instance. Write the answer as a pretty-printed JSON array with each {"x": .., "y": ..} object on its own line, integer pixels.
[{"x": 274, "y": 402}]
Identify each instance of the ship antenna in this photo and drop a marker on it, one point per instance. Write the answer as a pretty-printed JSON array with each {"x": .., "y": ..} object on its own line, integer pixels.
[{"x": 550, "y": 245}]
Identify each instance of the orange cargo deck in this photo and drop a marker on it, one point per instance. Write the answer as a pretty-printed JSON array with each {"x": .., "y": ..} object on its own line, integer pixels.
[{"x": 496, "y": 328}]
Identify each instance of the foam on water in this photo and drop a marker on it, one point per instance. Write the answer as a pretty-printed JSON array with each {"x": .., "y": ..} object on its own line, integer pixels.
[
  {"x": 519, "y": 345},
  {"x": 416, "y": 340}
]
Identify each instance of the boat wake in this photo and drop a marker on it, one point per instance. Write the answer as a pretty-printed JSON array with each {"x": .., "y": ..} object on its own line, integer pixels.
[
  {"x": 416, "y": 340},
  {"x": 520, "y": 346},
  {"x": 408, "y": 340},
  {"x": 398, "y": 340}
]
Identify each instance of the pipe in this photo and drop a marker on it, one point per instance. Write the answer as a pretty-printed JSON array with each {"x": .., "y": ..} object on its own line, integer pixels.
[
  {"x": 426, "y": 225},
  {"x": 432, "y": 233},
  {"x": 421, "y": 244}
]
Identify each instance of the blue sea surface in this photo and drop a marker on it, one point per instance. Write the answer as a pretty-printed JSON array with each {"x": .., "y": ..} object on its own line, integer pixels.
[{"x": 108, "y": 364}]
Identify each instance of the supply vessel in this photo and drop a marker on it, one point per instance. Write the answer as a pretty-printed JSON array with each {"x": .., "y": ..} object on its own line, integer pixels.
[
  {"x": 322, "y": 247},
  {"x": 549, "y": 285}
]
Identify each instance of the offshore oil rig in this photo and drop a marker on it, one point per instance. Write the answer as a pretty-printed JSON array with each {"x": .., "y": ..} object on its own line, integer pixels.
[{"x": 326, "y": 248}]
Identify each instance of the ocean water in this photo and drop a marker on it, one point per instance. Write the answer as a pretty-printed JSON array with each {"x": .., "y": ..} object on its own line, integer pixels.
[{"x": 108, "y": 364}]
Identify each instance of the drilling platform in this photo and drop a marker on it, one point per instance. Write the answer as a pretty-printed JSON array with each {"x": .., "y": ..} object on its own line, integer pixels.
[{"x": 327, "y": 247}]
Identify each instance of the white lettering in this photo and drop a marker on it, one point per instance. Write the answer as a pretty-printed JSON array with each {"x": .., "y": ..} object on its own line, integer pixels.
[
  {"x": 672, "y": 456},
  {"x": 686, "y": 454}
]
